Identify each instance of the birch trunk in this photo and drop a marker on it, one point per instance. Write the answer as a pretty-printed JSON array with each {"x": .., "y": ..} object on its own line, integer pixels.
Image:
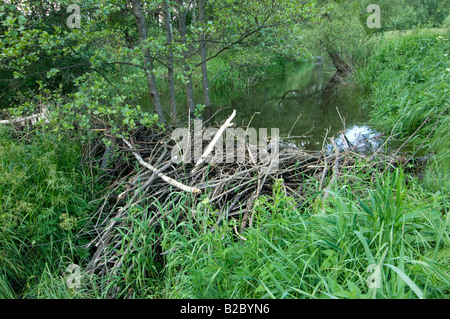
[
  {"x": 148, "y": 59},
  {"x": 170, "y": 70},
  {"x": 202, "y": 4}
]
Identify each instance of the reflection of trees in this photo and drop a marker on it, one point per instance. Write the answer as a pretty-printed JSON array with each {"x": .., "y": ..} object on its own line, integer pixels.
[
  {"x": 300, "y": 94},
  {"x": 294, "y": 103},
  {"x": 330, "y": 89},
  {"x": 314, "y": 88}
]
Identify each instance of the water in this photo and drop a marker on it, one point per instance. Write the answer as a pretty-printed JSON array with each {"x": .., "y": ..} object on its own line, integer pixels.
[{"x": 294, "y": 101}]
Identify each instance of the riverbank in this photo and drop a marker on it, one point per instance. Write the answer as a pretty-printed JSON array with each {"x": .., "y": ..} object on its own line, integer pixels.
[
  {"x": 315, "y": 231},
  {"x": 408, "y": 79},
  {"x": 354, "y": 228}
]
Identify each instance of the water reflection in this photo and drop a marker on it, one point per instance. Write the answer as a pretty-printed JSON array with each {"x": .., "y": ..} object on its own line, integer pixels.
[
  {"x": 297, "y": 103},
  {"x": 361, "y": 138}
]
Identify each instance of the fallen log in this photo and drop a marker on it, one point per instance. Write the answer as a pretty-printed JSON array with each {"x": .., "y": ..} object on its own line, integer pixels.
[{"x": 35, "y": 118}]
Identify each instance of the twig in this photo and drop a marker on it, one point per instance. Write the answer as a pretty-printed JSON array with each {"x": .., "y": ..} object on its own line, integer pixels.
[
  {"x": 335, "y": 170},
  {"x": 166, "y": 178},
  {"x": 33, "y": 118},
  {"x": 237, "y": 233},
  {"x": 214, "y": 141},
  {"x": 294, "y": 125}
]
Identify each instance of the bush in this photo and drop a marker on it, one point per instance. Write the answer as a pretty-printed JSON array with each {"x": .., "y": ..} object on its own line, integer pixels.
[{"x": 44, "y": 202}]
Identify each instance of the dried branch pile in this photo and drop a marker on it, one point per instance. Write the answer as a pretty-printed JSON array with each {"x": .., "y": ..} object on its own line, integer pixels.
[{"x": 144, "y": 172}]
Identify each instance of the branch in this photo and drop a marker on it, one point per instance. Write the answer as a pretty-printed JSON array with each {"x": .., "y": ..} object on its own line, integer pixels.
[
  {"x": 230, "y": 45},
  {"x": 214, "y": 141},
  {"x": 19, "y": 119},
  {"x": 166, "y": 178},
  {"x": 33, "y": 118}
]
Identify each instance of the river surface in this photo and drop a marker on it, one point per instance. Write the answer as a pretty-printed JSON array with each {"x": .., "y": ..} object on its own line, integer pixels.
[{"x": 297, "y": 102}]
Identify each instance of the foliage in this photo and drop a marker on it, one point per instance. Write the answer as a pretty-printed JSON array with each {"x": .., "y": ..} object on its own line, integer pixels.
[
  {"x": 408, "y": 77},
  {"x": 53, "y": 50},
  {"x": 97, "y": 77},
  {"x": 339, "y": 30},
  {"x": 446, "y": 23},
  {"x": 296, "y": 252},
  {"x": 342, "y": 25},
  {"x": 99, "y": 70},
  {"x": 44, "y": 202}
]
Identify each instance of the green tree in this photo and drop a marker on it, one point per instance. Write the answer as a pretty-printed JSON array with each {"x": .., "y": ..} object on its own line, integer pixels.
[
  {"x": 148, "y": 59},
  {"x": 106, "y": 68}
]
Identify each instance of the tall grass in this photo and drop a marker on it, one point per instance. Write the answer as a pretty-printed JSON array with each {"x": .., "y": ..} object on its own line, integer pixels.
[
  {"x": 297, "y": 252},
  {"x": 44, "y": 201},
  {"x": 381, "y": 226},
  {"x": 408, "y": 76}
]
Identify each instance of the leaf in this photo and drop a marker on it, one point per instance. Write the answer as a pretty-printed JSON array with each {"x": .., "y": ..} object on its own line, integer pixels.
[
  {"x": 366, "y": 247},
  {"x": 365, "y": 207},
  {"x": 407, "y": 280}
]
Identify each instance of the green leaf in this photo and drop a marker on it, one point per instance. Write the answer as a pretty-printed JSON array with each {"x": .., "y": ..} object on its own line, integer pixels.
[{"x": 407, "y": 280}]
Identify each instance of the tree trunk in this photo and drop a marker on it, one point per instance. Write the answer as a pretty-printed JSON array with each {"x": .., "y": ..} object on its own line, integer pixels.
[
  {"x": 189, "y": 87},
  {"x": 170, "y": 71},
  {"x": 148, "y": 59},
  {"x": 202, "y": 4},
  {"x": 342, "y": 68}
]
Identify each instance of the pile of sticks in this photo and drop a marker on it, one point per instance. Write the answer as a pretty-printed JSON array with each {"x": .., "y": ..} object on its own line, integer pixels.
[
  {"x": 141, "y": 170},
  {"x": 145, "y": 172}
]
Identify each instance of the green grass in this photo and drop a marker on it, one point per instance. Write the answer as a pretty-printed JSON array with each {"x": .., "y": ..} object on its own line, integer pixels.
[
  {"x": 297, "y": 251},
  {"x": 44, "y": 202},
  {"x": 382, "y": 225},
  {"x": 408, "y": 77},
  {"x": 373, "y": 224}
]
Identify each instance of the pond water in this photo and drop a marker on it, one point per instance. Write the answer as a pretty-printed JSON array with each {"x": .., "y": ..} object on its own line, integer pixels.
[{"x": 298, "y": 102}]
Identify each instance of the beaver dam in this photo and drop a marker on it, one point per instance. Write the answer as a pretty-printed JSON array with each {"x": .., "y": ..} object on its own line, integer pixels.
[{"x": 143, "y": 172}]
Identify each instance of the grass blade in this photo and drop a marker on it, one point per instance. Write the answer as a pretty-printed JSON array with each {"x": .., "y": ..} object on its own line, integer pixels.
[{"x": 407, "y": 280}]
